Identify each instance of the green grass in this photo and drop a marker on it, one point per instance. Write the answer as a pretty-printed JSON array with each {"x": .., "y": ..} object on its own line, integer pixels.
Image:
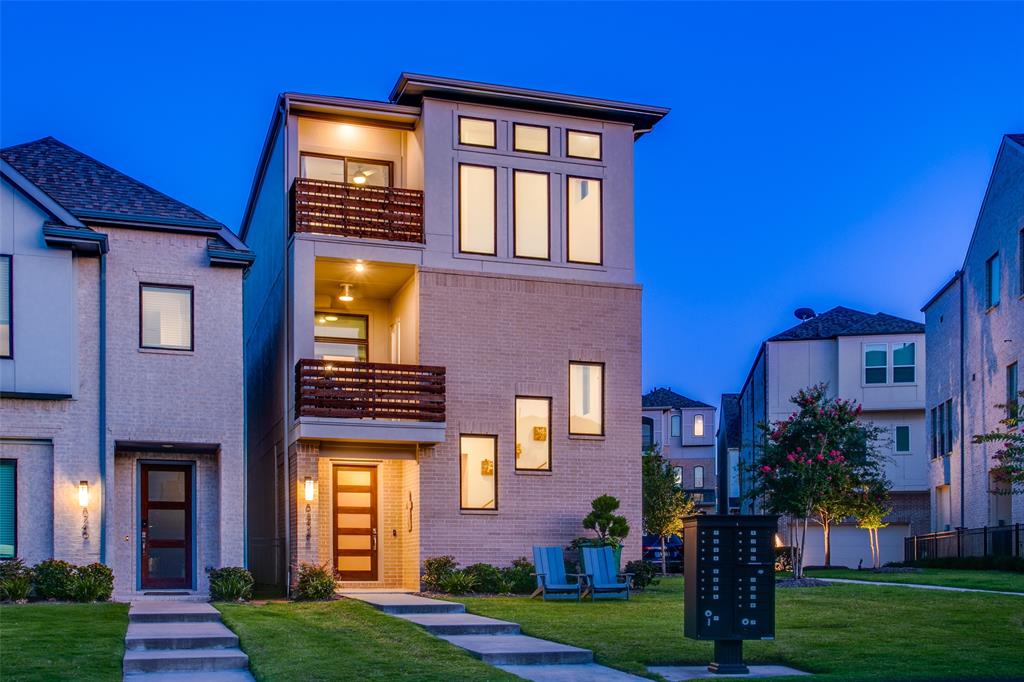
[
  {"x": 841, "y": 632},
  {"x": 345, "y": 640},
  {"x": 62, "y": 641},
  {"x": 1005, "y": 581}
]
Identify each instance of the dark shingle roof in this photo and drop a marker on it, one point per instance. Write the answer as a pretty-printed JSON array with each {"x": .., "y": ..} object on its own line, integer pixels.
[
  {"x": 729, "y": 420},
  {"x": 666, "y": 397},
  {"x": 1017, "y": 137},
  {"x": 840, "y": 321},
  {"x": 89, "y": 189}
]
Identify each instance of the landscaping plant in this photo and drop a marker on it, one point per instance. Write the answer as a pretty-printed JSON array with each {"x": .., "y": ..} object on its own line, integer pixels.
[
  {"x": 231, "y": 583},
  {"x": 486, "y": 578},
  {"x": 53, "y": 579},
  {"x": 519, "y": 576},
  {"x": 457, "y": 582},
  {"x": 15, "y": 580},
  {"x": 643, "y": 574},
  {"x": 94, "y": 582},
  {"x": 315, "y": 583},
  {"x": 611, "y": 528},
  {"x": 664, "y": 504},
  {"x": 870, "y": 508},
  {"x": 436, "y": 569},
  {"x": 1008, "y": 470}
]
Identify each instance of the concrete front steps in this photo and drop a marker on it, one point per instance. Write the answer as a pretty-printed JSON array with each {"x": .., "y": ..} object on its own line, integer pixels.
[{"x": 181, "y": 640}]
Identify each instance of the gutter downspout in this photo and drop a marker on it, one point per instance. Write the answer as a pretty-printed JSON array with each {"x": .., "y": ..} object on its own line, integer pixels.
[
  {"x": 963, "y": 392},
  {"x": 104, "y": 491}
]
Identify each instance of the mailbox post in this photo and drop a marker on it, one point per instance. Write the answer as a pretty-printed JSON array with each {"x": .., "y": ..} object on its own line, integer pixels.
[{"x": 729, "y": 569}]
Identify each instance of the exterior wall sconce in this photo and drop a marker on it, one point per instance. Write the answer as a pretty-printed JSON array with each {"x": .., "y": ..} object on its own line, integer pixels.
[
  {"x": 83, "y": 502},
  {"x": 309, "y": 493}
]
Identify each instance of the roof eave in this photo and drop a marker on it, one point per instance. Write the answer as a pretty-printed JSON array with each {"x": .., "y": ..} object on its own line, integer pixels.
[
  {"x": 82, "y": 241},
  {"x": 945, "y": 287}
]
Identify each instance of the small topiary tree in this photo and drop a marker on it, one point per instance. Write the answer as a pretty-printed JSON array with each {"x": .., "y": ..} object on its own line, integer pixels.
[{"x": 611, "y": 528}]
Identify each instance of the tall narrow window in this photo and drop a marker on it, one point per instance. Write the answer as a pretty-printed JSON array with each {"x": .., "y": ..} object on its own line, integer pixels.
[
  {"x": 166, "y": 317},
  {"x": 676, "y": 423},
  {"x": 584, "y": 220},
  {"x": 583, "y": 145},
  {"x": 934, "y": 414},
  {"x": 586, "y": 398},
  {"x": 677, "y": 475},
  {"x": 1020, "y": 264},
  {"x": 901, "y": 439},
  {"x": 8, "y": 509},
  {"x": 942, "y": 431},
  {"x": 992, "y": 281},
  {"x": 478, "y": 464},
  {"x": 876, "y": 363},
  {"x": 903, "y": 357},
  {"x": 6, "y": 299},
  {"x": 531, "y": 215},
  {"x": 476, "y": 132},
  {"x": 949, "y": 427},
  {"x": 340, "y": 338},
  {"x": 646, "y": 433},
  {"x": 698, "y": 425},
  {"x": 477, "y": 209},
  {"x": 533, "y": 434},
  {"x": 698, "y": 476},
  {"x": 532, "y": 139},
  {"x": 1011, "y": 391}
]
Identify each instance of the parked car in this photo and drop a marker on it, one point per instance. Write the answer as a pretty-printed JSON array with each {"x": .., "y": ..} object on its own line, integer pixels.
[{"x": 673, "y": 552}]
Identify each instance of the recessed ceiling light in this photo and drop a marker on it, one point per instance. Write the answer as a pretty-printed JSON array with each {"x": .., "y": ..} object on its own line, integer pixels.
[{"x": 360, "y": 267}]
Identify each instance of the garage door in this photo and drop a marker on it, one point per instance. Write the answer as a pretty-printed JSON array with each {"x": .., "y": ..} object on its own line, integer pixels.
[{"x": 850, "y": 545}]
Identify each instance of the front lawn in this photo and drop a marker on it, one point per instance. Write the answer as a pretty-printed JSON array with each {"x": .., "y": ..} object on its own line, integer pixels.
[
  {"x": 62, "y": 641},
  {"x": 345, "y": 640},
  {"x": 1005, "y": 581},
  {"x": 843, "y": 632}
]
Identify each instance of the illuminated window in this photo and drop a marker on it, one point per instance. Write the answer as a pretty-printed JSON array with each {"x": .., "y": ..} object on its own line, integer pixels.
[
  {"x": 166, "y": 317},
  {"x": 676, "y": 425},
  {"x": 584, "y": 220},
  {"x": 876, "y": 363},
  {"x": 366, "y": 172},
  {"x": 586, "y": 398},
  {"x": 698, "y": 425},
  {"x": 478, "y": 464},
  {"x": 533, "y": 434},
  {"x": 583, "y": 145},
  {"x": 677, "y": 476},
  {"x": 477, "y": 132},
  {"x": 698, "y": 476},
  {"x": 477, "y": 216},
  {"x": 340, "y": 338},
  {"x": 531, "y": 216},
  {"x": 903, "y": 363},
  {"x": 533, "y": 139}
]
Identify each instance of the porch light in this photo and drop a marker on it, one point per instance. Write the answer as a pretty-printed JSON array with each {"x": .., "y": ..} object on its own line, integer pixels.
[
  {"x": 83, "y": 494},
  {"x": 309, "y": 489},
  {"x": 346, "y": 295},
  {"x": 360, "y": 267}
]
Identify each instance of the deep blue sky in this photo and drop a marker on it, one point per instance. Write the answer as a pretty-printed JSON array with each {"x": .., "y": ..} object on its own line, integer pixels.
[{"x": 816, "y": 155}]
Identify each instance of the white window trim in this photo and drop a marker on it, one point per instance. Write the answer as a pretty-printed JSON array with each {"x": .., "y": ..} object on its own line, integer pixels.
[
  {"x": 702, "y": 425},
  {"x": 895, "y": 441},
  {"x": 889, "y": 364}
]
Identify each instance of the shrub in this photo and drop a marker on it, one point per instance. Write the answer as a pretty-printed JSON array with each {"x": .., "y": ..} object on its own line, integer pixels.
[
  {"x": 231, "y": 583},
  {"x": 94, "y": 582},
  {"x": 316, "y": 583},
  {"x": 643, "y": 574},
  {"x": 487, "y": 579},
  {"x": 436, "y": 568},
  {"x": 519, "y": 577},
  {"x": 54, "y": 579},
  {"x": 15, "y": 580},
  {"x": 783, "y": 559},
  {"x": 457, "y": 582}
]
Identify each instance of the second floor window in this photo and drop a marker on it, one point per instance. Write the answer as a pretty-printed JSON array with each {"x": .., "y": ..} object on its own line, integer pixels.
[
  {"x": 903, "y": 358},
  {"x": 478, "y": 471},
  {"x": 586, "y": 398},
  {"x": 676, "y": 425},
  {"x": 533, "y": 434},
  {"x": 698, "y": 476},
  {"x": 876, "y": 363},
  {"x": 584, "y": 220},
  {"x": 992, "y": 281},
  {"x": 165, "y": 317},
  {"x": 942, "y": 429},
  {"x": 698, "y": 425},
  {"x": 477, "y": 209},
  {"x": 531, "y": 214},
  {"x": 344, "y": 169},
  {"x": 901, "y": 439},
  {"x": 1012, "y": 388},
  {"x": 477, "y": 132},
  {"x": 677, "y": 475},
  {"x": 646, "y": 433},
  {"x": 340, "y": 338},
  {"x": 6, "y": 299}
]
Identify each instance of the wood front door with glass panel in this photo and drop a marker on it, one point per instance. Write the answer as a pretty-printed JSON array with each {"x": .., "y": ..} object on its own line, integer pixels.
[
  {"x": 340, "y": 338},
  {"x": 165, "y": 531},
  {"x": 355, "y": 522}
]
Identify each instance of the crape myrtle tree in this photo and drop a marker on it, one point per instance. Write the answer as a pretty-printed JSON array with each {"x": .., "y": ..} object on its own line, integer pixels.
[
  {"x": 813, "y": 464},
  {"x": 664, "y": 504},
  {"x": 870, "y": 507},
  {"x": 1008, "y": 468}
]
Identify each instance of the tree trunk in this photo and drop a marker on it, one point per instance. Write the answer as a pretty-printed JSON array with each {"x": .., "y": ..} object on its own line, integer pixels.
[
  {"x": 798, "y": 570},
  {"x": 664, "y": 561},
  {"x": 825, "y": 528}
]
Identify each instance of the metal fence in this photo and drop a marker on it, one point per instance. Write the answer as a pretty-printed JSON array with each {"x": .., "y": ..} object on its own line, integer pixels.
[{"x": 966, "y": 542}]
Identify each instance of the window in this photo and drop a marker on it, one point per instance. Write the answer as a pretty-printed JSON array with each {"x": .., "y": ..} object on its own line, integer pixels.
[
  {"x": 341, "y": 338},
  {"x": 584, "y": 220},
  {"x": 477, "y": 209},
  {"x": 698, "y": 476},
  {"x": 583, "y": 145},
  {"x": 1011, "y": 392},
  {"x": 876, "y": 362},
  {"x": 1020, "y": 263},
  {"x": 343, "y": 169},
  {"x": 166, "y": 317},
  {"x": 646, "y": 433},
  {"x": 676, "y": 422},
  {"x": 586, "y": 398},
  {"x": 8, "y": 509},
  {"x": 698, "y": 425},
  {"x": 533, "y": 139},
  {"x": 934, "y": 414},
  {"x": 949, "y": 427},
  {"x": 903, "y": 363},
  {"x": 6, "y": 300},
  {"x": 476, "y": 132},
  {"x": 901, "y": 439},
  {"x": 531, "y": 214},
  {"x": 677, "y": 475},
  {"x": 992, "y": 281},
  {"x": 533, "y": 434},
  {"x": 479, "y": 472}
]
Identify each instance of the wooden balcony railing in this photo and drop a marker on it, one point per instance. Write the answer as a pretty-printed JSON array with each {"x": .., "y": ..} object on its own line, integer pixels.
[
  {"x": 369, "y": 390},
  {"x": 349, "y": 210}
]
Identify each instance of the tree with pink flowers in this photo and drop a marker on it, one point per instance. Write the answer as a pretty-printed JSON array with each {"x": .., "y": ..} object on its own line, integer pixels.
[{"x": 814, "y": 463}]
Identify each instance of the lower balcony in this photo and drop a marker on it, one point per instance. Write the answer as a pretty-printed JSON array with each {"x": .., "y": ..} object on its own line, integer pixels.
[{"x": 338, "y": 400}]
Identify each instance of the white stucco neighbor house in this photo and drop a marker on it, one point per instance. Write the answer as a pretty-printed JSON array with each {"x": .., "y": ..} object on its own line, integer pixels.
[{"x": 121, "y": 394}]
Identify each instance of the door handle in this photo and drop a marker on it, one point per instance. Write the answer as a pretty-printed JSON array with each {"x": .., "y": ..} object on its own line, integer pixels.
[{"x": 373, "y": 538}]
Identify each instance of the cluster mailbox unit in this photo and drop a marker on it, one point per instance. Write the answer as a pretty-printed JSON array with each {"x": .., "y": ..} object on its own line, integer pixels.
[{"x": 729, "y": 569}]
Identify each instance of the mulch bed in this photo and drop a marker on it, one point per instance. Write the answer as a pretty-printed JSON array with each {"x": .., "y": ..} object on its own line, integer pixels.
[{"x": 802, "y": 582}]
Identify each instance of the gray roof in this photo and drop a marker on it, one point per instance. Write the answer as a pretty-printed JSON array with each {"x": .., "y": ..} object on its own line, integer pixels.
[
  {"x": 666, "y": 397},
  {"x": 1017, "y": 137},
  {"x": 840, "y": 321},
  {"x": 729, "y": 420}
]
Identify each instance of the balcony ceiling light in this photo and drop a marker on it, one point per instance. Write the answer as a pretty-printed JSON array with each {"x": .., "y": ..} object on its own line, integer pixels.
[
  {"x": 360, "y": 267},
  {"x": 331, "y": 318},
  {"x": 359, "y": 179},
  {"x": 346, "y": 294}
]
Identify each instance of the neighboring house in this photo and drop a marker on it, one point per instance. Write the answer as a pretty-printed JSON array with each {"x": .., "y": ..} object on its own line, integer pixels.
[
  {"x": 975, "y": 332},
  {"x": 728, "y": 439},
  {"x": 684, "y": 430},
  {"x": 442, "y": 328},
  {"x": 121, "y": 437},
  {"x": 878, "y": 360}
]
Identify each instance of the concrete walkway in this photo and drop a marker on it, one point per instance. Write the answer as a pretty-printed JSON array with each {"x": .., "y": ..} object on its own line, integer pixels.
[
  {"x": 496, "y": 642},
  {"x": 919, "y": 586},
  {"x": 170, "y": 641}
]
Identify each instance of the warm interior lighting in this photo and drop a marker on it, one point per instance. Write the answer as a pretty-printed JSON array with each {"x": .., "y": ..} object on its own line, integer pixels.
[
  {"x": 83, "y": 494},
  {"x": 359, "y": 179},
  {"x": 778, "y": 541},
  {"x": 322, "y": 320},
  {"x": 360, "y": 267},
  {"x": 331, "y": 318},
  {"x": 309, "y": 489},
  {"x": 346, "y": 294}
]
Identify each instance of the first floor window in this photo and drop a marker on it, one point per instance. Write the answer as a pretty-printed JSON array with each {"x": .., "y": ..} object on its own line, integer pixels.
[
  {"x": 340, "y": 338},
  {"x": 698, "y": 476},
  {"x": 477, "y": 216},
  {"x": 949, "y": 426},
  {"x": 5, "y": 306},
  {"x": 698, "y": 425},
  {"x": 8, "y": 509},
  {"x": 479, "y": 472},
  {"x": 677, "y": 473},
  {"x": 586, "y": 398},
  {"x": 531, "y": 214},
  {"x": 903, "y": 355},
  {"x": 166, "y": 317},
  {"x": 584, "y": 220},
  {"x": 902, "y": 439},
  {"x": 533, "y": 434},
  {"x": 876, "y": 363},
  {"x": 935, "y": 430},
  {"x": 676, "y": 425}
]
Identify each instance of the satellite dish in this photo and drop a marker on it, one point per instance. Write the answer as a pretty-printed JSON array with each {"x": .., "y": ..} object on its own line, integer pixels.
[{"x": 804, "y": 314}]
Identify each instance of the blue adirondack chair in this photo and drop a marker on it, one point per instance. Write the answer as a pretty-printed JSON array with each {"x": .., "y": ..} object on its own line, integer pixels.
[
  {"x": 604, "y": 580},
  {"x": 552, "y": 580}
]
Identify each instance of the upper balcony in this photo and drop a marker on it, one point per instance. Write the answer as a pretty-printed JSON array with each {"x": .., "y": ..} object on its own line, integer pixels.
[{"x": 357, "y": 210}]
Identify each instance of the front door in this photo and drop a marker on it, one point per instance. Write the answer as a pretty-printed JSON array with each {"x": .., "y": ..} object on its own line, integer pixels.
[
  {"x": 166, "y": 526},
  {"x": 355, "y": 522}
]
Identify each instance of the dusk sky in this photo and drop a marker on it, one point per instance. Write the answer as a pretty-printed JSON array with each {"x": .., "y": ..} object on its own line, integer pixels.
[{"x": 816, "y": 155}]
